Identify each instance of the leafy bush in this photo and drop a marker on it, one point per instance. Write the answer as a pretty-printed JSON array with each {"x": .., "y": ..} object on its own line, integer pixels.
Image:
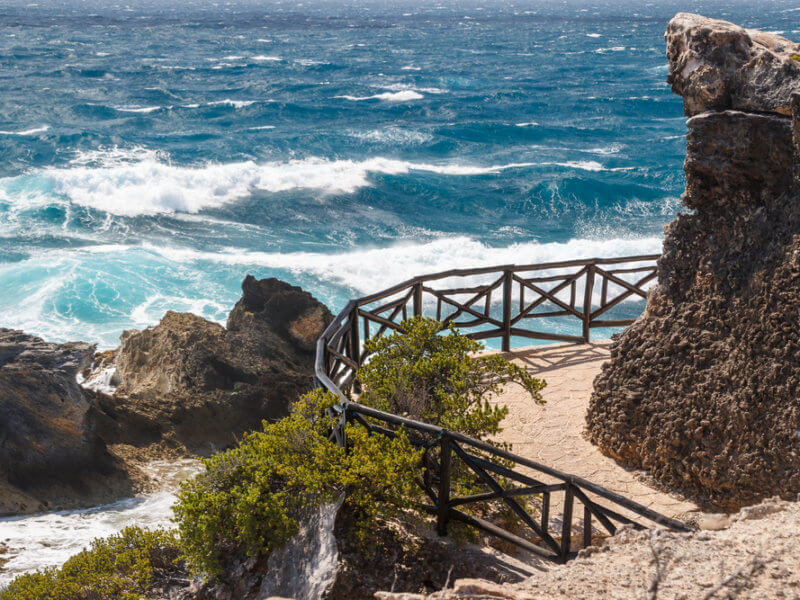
[
  {"x": 432, "y": 373},
  {"x": 252, "y": 498},
  {"x": 120, "y": 567}
]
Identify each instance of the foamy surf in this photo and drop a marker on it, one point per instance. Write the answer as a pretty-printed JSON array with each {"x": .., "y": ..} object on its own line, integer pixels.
[
  {"x": 43, "y": 540},
  {"x": 150, "y": 185},
  {"x": 369, "y": 270},
  {"x": 400, "y": 96},
  {"x": 33, "y": 131}
]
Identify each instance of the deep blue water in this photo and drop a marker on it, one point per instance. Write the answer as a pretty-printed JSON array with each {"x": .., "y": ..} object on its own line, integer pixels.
[{"x": 151, "y": 156}]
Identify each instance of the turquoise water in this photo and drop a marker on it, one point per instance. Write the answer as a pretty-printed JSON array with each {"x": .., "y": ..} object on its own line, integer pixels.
[{"x": 151, "y": 156}]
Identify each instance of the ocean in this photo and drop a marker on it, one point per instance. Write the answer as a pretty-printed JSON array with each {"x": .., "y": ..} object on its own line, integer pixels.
[{"x": 153, "y": 154}]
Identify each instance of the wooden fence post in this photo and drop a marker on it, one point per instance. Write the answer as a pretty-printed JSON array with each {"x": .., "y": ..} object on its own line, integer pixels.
[
  {"x": 507, "y": 285},
  {"x": 355, "y": 345},
  {"x": 587, "y": 303},
  {"x": 417, "y": 299},
  {"x": 443, "y": 499},
  {"x": 566, "y": 525},
  {"x": 587, "y": 526}
]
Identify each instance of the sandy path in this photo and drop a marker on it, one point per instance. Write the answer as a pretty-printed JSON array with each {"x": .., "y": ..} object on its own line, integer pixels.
[{"x": 552, "y": 434}]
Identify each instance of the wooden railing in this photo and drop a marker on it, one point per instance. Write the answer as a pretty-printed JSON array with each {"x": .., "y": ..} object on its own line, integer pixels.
[
  {"x": 582, "y": 290},
  {"x": 505, "y": 477}
]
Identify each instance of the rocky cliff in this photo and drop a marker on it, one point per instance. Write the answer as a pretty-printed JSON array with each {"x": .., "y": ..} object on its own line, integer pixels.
[
  {"x": 704, "y": 389},
  {"x": 184, "y": 386},
  {"x": 49, "y": 453},
  {"x": 190, "y": 384}
]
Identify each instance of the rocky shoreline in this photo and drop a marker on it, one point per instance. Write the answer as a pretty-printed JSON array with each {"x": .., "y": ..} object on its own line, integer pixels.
[{"x": 184, "y": 387}]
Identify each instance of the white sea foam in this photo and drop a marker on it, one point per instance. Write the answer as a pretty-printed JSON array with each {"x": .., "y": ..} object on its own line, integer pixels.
[
  {"x": 261, "y": 127},
  {"x": 401, "y": 96},
  {"x": 610, "y": 149},
  {"x": 369, "y": 270},
  {"x": 233, "y": 103},
  {"x": 404, "y": 87},
  {"x": 141, "y": 182},
  {"x": 410, "y": 68},
  {"x": 100, "y": 380},
  {"x": 528, "y": 124},
  {"x": 594, "y": 35},
  {"x": 310, "y": 62},
  {"x": 48, "y": 539},
  {"x": 265, "y": 58},
  {"x": 393, "y": 135},
  {"x": 140, "y": 109},
  {"x": 33, "y": 131}
]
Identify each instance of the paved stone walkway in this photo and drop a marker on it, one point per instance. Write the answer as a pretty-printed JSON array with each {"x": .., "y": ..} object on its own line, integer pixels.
[{"x": 553, "y": 434}]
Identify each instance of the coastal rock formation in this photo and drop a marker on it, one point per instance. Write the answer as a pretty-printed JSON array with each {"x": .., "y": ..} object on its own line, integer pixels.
[
  {"x": 716, "y": 65},
  {"x": 704, "y": 389},
  {"x": 329, "y": 563},
  {"x": 190, "y": 383},
  {"x": 48, "y": 444},
  {"x": 185, "y": 385}
]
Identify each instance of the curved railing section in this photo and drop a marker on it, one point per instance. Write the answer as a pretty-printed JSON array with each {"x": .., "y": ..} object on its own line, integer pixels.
[
  {"x": 491, "y": 302},
  {"x": 484, "y": 303}
]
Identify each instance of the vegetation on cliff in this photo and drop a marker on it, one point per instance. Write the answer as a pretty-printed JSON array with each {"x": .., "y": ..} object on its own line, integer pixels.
[
  {"x": 431, "y": 373},
  {"x": 252, "y": 498},
  {"x": 126, "y": 566}
]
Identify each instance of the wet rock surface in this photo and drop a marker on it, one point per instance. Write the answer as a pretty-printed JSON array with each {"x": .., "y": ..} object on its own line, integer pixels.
[
  {"x": 190, "y": 383},
  {"x": 49, "y": 451},
  {"x": 704, "y": 389}
]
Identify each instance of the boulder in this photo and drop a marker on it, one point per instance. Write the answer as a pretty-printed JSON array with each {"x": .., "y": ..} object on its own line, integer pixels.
[
  {"x": 703, "y": 390},
  {"x": 716, "y": 65},
  {"x": 190, "y": 384},
  {"x": 49, "y": 450}
]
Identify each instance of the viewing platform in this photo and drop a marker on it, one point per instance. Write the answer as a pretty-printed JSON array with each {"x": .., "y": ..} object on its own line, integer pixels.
[
  {"x": 553, "y": 434},
  {"x": 576, "y": 493}
]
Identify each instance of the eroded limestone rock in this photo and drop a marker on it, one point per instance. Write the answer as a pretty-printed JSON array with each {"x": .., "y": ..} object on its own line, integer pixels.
[
  {"x": 49, "y": 449},
  {"x": 190, "y": 383},
  {"x": 716, "y": 65},
  {"x": 704, "y": 389}
]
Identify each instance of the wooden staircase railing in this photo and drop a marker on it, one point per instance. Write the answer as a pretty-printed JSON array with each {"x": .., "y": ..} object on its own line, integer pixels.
[{"x": 464, "y": 297}]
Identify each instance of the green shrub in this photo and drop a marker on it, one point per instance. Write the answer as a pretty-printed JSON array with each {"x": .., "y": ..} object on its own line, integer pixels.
[
  {"x": 251, "y": 498},
  {"x": 120, "y": 567},
  {"x": 431, "y": 373},
  {"x": 434, "y": 374}
]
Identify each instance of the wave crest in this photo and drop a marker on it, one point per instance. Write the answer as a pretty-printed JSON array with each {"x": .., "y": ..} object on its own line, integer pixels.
[{"x": 143, "y": 182}]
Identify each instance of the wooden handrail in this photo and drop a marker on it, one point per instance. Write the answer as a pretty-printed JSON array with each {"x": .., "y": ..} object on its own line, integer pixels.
[{"x": 339, "y": 356}]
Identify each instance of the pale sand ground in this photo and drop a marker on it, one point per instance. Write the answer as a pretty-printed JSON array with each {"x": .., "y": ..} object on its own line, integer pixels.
[
  {"x": 553, "y": 434},
  {"x": 754, "y": 557}
]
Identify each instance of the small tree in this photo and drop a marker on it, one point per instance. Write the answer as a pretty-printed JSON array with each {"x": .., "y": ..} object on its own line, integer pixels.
[
  {"x": 431, "y": 373},
  {"x": 252, "y": 498}
]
